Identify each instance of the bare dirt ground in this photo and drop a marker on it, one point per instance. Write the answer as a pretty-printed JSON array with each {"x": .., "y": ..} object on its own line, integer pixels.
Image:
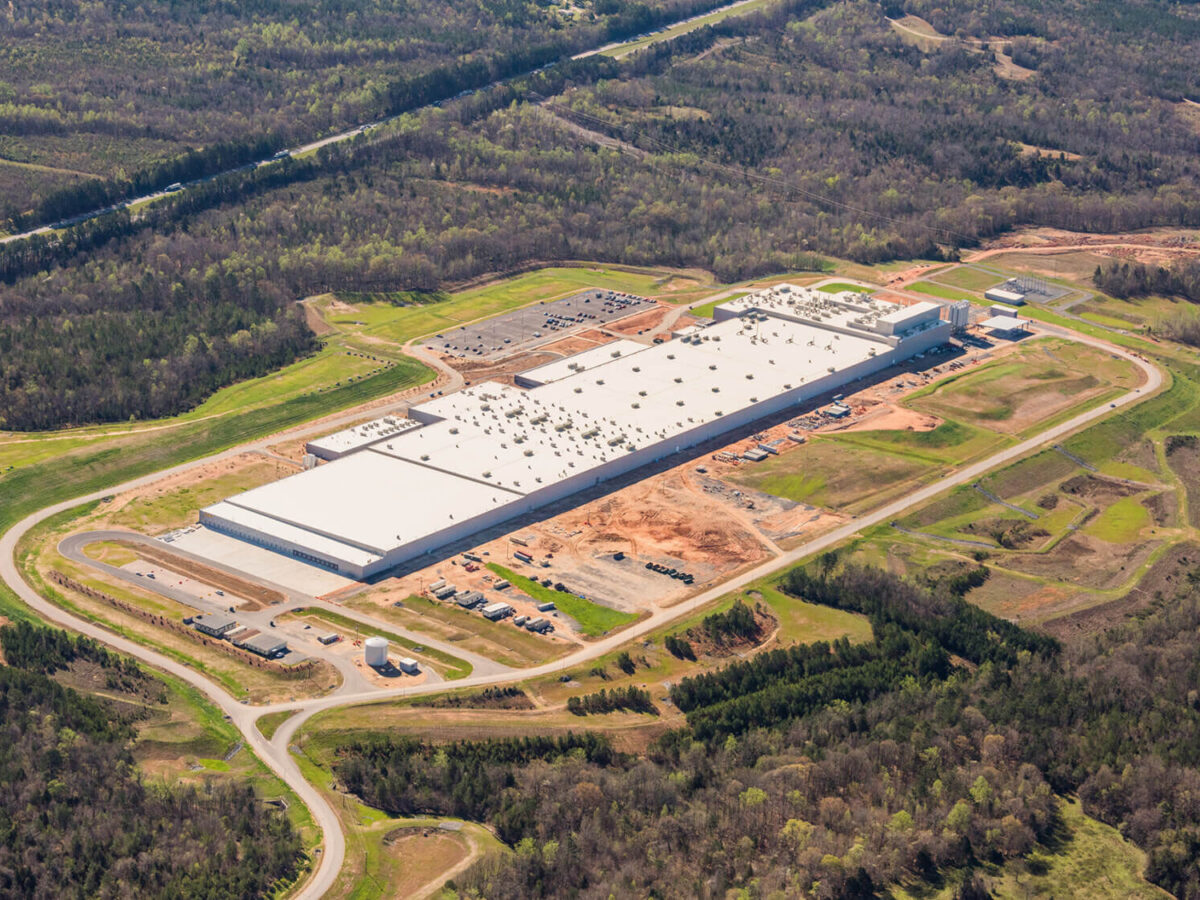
[
  {"x": 678, "y": 518},
  {"x": 1056, "y": 240},
  {"x": 1086, "y": 561},
  {"x": 643, "y": 321},
  {"x": 1184, "y": 459},
  {"x": 1006, "y": 68},
  {"x": 577, "y": 343},
  {"x": 315, "y": 321},
  {"x": 889, "y": 417},
  {"x": 499, "y": 370},
  {"x": 1161, "y": 581}
]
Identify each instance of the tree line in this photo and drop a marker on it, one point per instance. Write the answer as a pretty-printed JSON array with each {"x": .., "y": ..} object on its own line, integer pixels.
[
  {"x": 80, "y": 822},
  {"x": 630, "y": 698},
  {"x": 1124, "y": 279},
  {"x": 807, "y": 130},
  {"x": 853, "y": 796}
]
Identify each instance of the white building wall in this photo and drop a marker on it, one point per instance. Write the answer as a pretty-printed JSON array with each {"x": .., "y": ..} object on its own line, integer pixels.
[
  {"x": 932, "y": 337},
  {"x": 891, "y": 349}
]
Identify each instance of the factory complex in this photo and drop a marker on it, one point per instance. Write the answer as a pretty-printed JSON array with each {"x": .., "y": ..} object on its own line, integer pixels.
[{"x": 491, "y": 452}]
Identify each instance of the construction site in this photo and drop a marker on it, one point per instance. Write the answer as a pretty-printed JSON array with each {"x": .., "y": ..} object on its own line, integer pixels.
[
  {"x": 610, "y": 473},
  {"x": 493, "y": 452}
]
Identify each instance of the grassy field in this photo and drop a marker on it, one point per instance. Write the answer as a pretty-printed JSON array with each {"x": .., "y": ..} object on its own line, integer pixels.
[
  {"x": 1120, "y": 523},
  {"x": 1041, "y": 381},
  {"x": 950, "y": 442},
  {"x": 968, "y": 278},
  {"x": 832, "y": 474},
  {"x": 177, "y": 507},
  {"x": 940, "y": 290},
  {"x": 593, "y": 619},
  {"x": 706, "y": 311},
  {"x": 799, "y": 622},
  {"x": 377, "y": 317},
  {"x": 495, "y": 640},
  {"x": 270, "y": 723},
  {"x": 838, "y": 286}
]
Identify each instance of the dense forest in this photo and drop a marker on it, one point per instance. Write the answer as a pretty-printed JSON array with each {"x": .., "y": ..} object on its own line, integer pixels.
[
  {"x": 752, "y": 146},
  {"x": 78, "y": 821},
  {"x": 151, "y": 93},
  {"x": 941, "y": 743},
  {"x": 1126, "y": 279}
]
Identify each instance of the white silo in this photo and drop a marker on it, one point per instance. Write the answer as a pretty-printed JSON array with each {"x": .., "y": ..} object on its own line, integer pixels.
[{"x": 375, "y": 651}]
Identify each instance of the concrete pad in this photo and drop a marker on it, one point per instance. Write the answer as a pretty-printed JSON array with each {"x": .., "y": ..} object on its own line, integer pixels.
[
  {"x": 260, "y": 563},
  {"x": 160, "y": 576}
]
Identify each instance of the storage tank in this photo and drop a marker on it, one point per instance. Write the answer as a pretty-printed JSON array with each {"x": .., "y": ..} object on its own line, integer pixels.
[{"x": 375, "y": 650}]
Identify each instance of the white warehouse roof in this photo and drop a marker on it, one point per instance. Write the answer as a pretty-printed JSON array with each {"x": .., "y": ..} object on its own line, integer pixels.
[
  {"x": 492, "y": 451},
  {"x": 375, "y": 504},
  {"x": 333, "y": 446},
  {"x": 588, "y": 359}
]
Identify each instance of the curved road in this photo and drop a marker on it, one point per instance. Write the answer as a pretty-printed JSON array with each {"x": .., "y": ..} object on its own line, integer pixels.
[
  {"x": 276, "y": 753},
  {"x": 72, "y": 548}
]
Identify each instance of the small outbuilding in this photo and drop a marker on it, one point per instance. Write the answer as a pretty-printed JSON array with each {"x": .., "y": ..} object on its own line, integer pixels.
[
  {"x": 214, "y": 624},
  {"x": 1005, "y": 326},
  {"x": 1005, "y": 295},
  {"x": 265, "y": 644}
]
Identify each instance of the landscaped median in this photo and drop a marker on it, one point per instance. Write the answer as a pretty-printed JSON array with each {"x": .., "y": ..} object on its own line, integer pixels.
[{"x": 593, "y": 619}]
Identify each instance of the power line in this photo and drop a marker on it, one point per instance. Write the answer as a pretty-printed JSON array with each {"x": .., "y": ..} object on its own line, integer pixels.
[{"x": 767, "y": 180}]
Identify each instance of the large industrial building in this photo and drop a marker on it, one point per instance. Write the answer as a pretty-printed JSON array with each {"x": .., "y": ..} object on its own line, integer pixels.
[{"x": 492, "y": 452}]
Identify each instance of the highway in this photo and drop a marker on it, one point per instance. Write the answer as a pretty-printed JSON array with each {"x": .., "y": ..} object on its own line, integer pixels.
[
  {"x": 276, "y": 753},
  {"x": 351, "y": 133}
]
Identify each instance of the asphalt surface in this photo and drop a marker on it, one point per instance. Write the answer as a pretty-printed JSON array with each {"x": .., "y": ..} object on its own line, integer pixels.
[
  {"x": 348, "y": 134},
  {"x": 276, "y": 753},
  {"x": 541, "y": 323}
]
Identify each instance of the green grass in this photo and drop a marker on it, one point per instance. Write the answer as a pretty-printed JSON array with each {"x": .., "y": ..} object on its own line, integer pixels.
[
  {"x": 832, "y": 473},
  {"x": 803, "y": 622},
  {"x": 1066, "y": 376},
  {"x": 1120, "y": 523},
  {"x": 950, "y": 442},
  {"x": 939, "y": 290},
  {"x": 592, "y": 618},
  {"x": 838, "y": 286},
  {"x": 968, "y": 278},
  {"x": 706, "y": 311},
  {"x": 213, "y": 731},
  {"x": 270, "y": 723},
  {"x": 454, "y": 667},
  {"x": 1042, "y": 469},
  {"x": 176, "y": 508},
  {"x": 1108, "y": 439},
  {"x": 403, "y": 323}
]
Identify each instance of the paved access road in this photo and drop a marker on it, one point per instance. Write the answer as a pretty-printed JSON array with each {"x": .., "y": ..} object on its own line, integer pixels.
[
  {"x": 277, "y": 753},
  {"x": 348, "y": 134}
]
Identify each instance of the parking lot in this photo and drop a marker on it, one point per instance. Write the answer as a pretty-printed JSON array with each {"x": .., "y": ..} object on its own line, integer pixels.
[{"x": 533, "y": 325}]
